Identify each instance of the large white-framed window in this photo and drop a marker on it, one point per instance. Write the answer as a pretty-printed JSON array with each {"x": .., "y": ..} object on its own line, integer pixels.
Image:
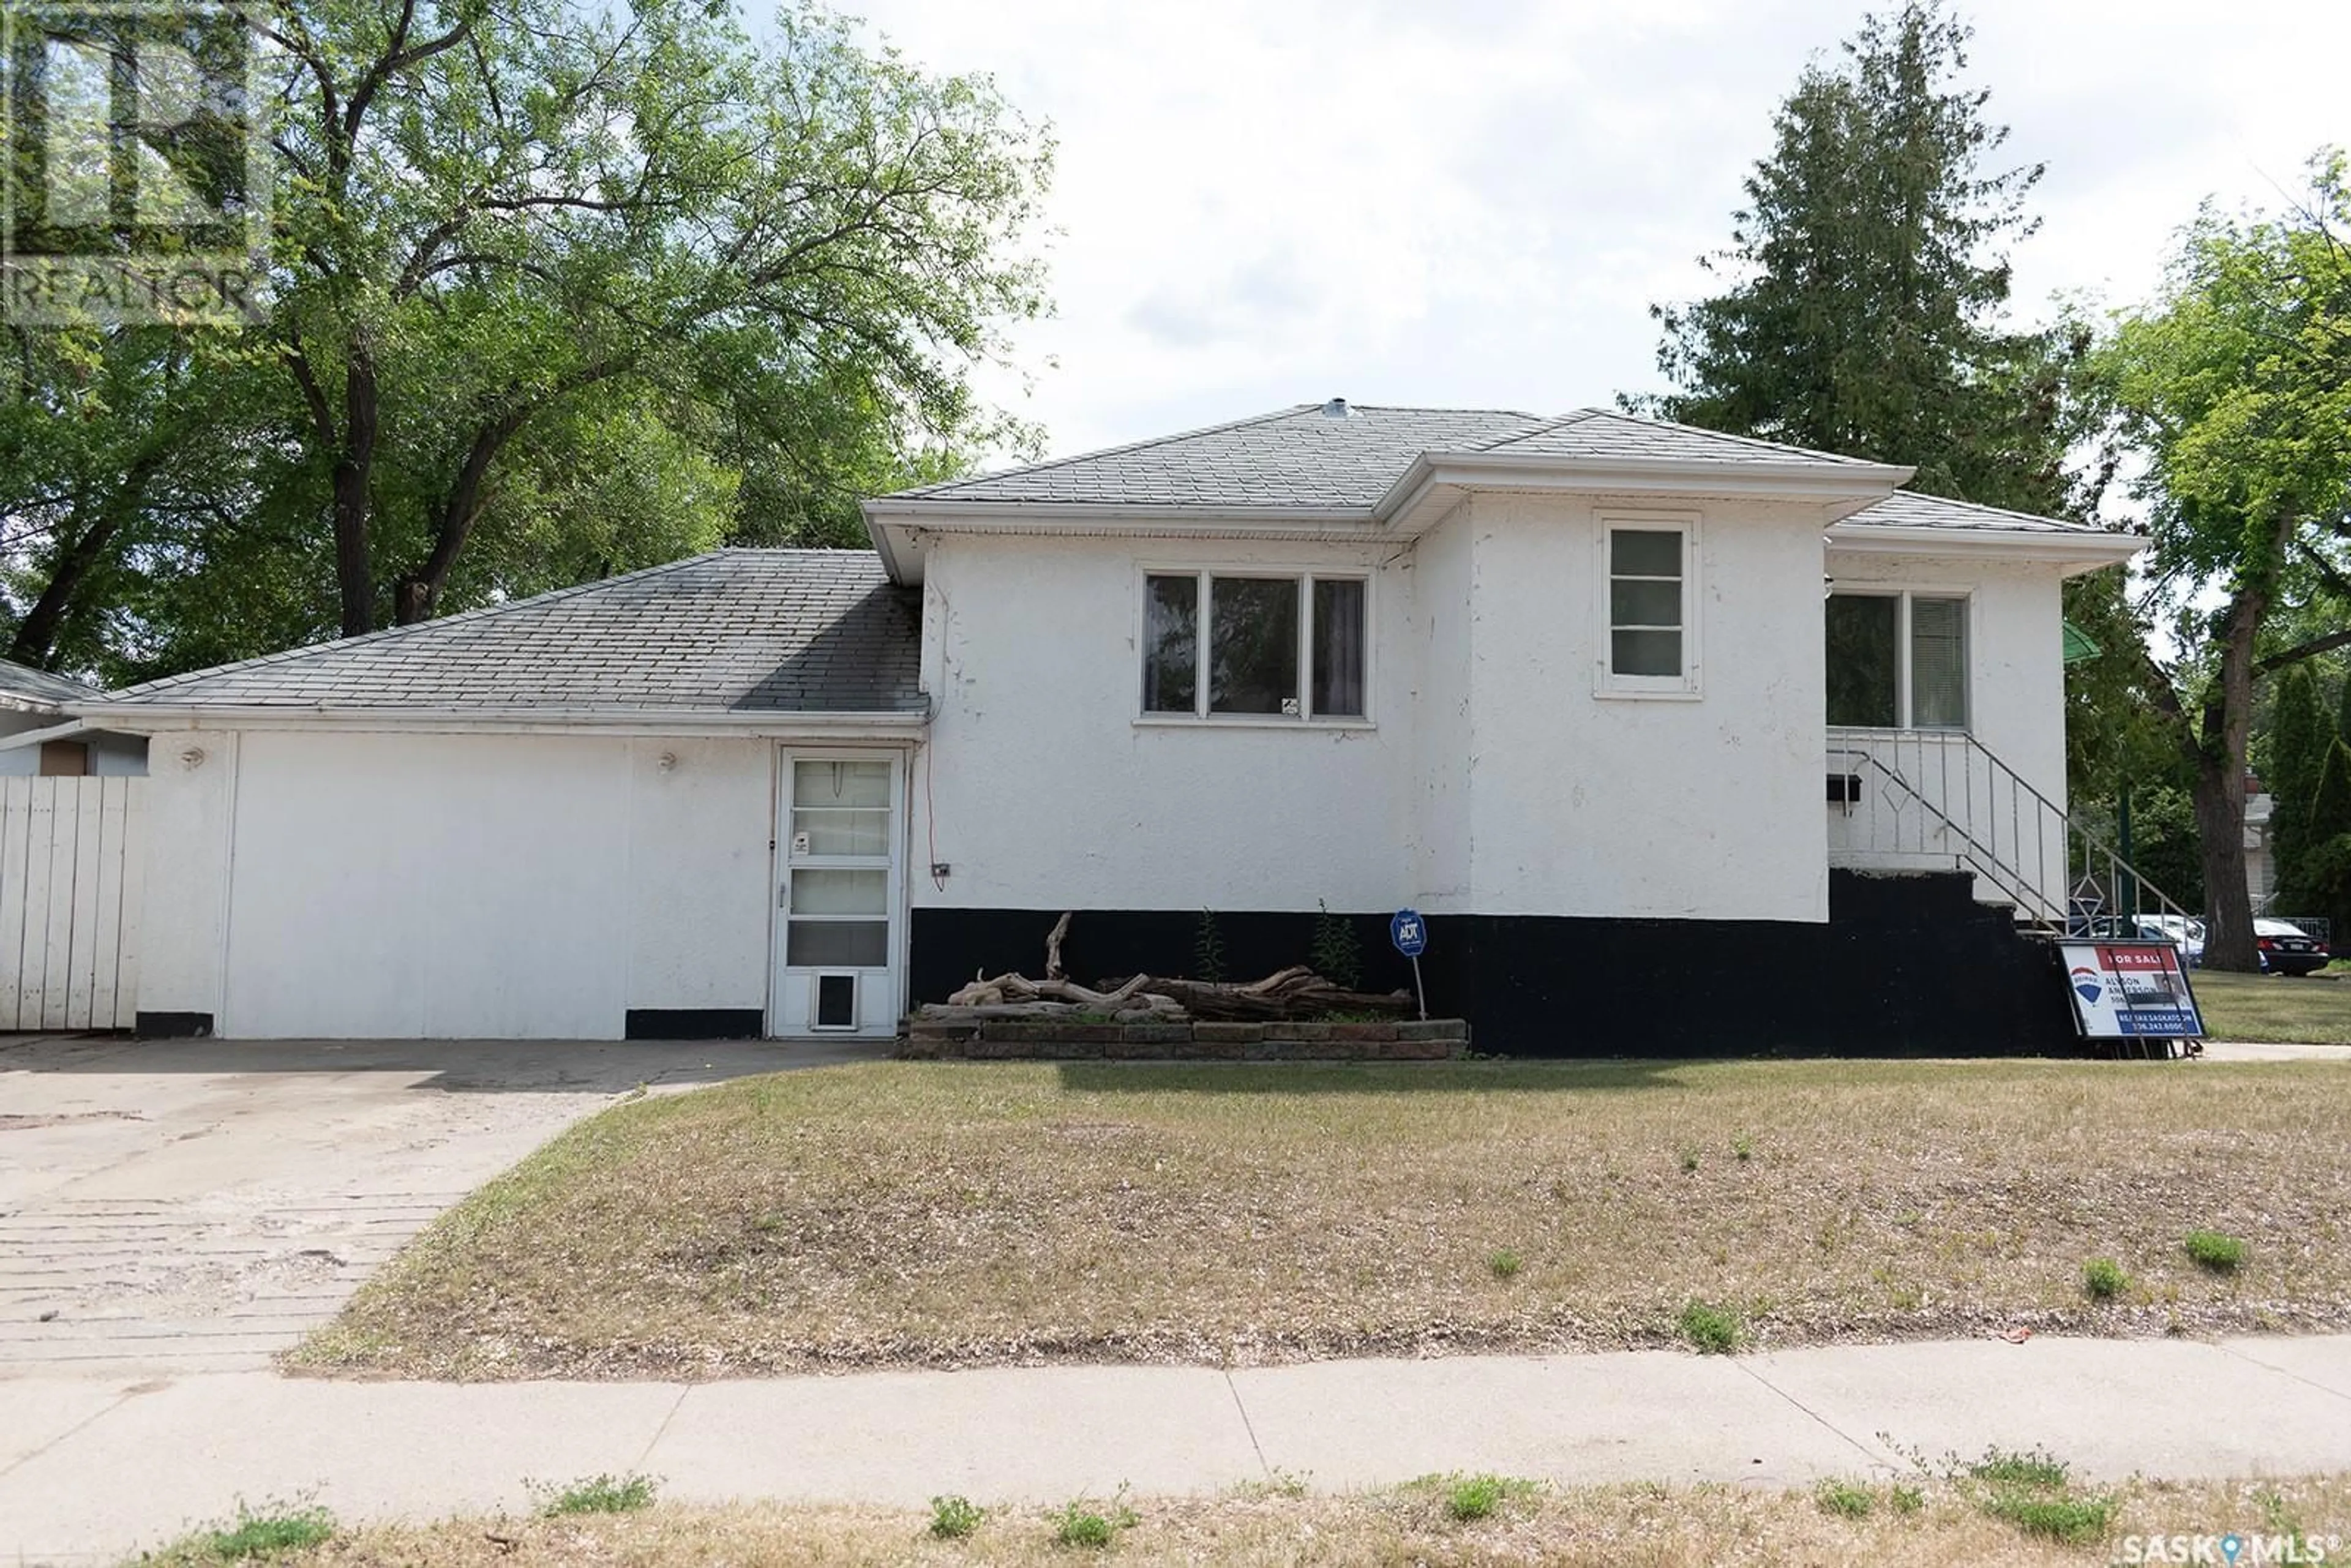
[
  {"x": 1897, "y": 658},
  {"x": 1647, "y": 576},
  {"x": 1247, "y": 644}
]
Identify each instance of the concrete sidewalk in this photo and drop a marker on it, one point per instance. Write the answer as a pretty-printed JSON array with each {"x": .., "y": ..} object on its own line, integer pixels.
[{"x": 91, "y": 1468}]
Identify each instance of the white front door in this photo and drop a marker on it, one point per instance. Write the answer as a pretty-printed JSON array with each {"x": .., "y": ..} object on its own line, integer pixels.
[{"x": 839, "y": 922}]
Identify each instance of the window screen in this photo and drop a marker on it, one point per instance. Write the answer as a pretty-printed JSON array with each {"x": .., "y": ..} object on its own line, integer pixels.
[
  {"x": 1645, "y": 601},
  {"x": 1864, "y": 660},
  {"x": 1938, "y": 663}
]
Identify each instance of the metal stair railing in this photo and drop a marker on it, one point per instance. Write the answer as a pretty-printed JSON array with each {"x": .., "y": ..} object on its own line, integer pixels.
[{"x": 1944, "y": 794}]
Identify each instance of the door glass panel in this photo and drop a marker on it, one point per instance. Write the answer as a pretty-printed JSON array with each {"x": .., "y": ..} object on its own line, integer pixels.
[
  {"x": 840, "y": 832},
  {"x": 841, "y": 891},
  {"x": 827, "y": 784},
  {"x": 838, "y": 944},
  {"x": 1938, "y": 663},
  {"x": 1863, "y": 659}
]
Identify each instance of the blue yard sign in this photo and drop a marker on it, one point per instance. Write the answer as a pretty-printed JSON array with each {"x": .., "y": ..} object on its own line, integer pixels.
[{"x": 1409, "y": 932}]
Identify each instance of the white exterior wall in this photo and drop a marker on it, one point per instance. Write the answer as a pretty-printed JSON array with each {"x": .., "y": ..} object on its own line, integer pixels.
[
  {"x": 1621, "y": 805},
  {"x": 1492, "y": 780},
  {"x": 417, "y": 885},
  {"x": 1050, "y": 789}
]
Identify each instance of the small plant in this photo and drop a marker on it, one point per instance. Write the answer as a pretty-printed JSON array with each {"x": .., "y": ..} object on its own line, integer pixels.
[
  {"x": 955, "y": 1518},
  {"x": 1690, "y": 1159},
  {"x": 2215, "y": 1250},
  {"x": 1713, "y": 1329},
  {"x": 2028, "y": 1468},
  {"x": 1208, "y": 948},
  {"x": 1472, "y": 1498},
  {"x": 1742, "y": 1148},
  {"x": 1335, "y": 955},
  {"x": 1506, "y": 1264},
  {"x": 2074, "y": 1521},
  {"x": 1080, "y": 1525},
  {"x": 1906, "y": 1500},
  {"x": 2104, "y": 1279},
  {"x": 273, "y": 1531},
  {"x": 596, "y": 1494},
  {"x": 1844, "y": 1500}
]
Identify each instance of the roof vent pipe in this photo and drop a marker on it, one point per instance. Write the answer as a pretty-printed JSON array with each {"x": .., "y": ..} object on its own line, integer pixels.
[{"x": 1335, "y": 408}]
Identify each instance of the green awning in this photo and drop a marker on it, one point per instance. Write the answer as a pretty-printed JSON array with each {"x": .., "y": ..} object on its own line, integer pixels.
[{"x": 2078, "y": 645}]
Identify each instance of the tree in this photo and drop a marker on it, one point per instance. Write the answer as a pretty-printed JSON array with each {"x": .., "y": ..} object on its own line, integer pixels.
[
  {"x": 1867, "y": 281},
  {"x": 2234, "y": 389},
  {"x": 2326, "y": 869},
  {"x": 499, "y": 206},
  {"x": 2297, "y": 742},
  {"x": 555, "y": 291}
]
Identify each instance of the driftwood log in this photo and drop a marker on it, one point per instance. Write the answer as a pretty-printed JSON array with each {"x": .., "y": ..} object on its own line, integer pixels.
[{"x": 1296, "y": 992}]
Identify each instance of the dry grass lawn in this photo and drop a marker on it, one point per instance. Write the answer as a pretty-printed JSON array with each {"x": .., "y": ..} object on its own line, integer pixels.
[
  {"x": 2313, "y": 1009},
  {"x": 1934, "y": 1525},
  {"x": 943, "y": 1214}
]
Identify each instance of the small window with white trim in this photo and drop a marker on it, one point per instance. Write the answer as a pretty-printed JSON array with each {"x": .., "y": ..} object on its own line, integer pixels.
[
  {"x": 1652, "y": 642},
  {"x": 1897, "y": 660},
  {"x": 1248, "y": 645}
]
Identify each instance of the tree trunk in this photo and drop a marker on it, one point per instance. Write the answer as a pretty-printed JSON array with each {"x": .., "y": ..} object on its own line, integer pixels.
[
  {"x": 36, "y": 634},
  {"x": 2220, "y": 781},
  {"x": 418, "y": 594},
  {"x": 354, "y": 461}
]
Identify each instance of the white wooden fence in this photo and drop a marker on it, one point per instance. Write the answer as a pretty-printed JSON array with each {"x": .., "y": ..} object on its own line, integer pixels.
[{"x": 72, "y": 857}]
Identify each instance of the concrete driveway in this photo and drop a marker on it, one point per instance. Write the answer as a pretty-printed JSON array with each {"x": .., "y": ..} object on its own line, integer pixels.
[{"x": 199, "y": 1205}]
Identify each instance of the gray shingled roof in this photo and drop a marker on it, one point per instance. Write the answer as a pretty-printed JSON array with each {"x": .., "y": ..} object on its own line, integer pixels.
[
  {"x": 28, "y": 690},
  {"x": 1597, "y": 433},
  {"x": 1302, "y": 456},
  {"x": 1906, "y": 509},
  {"x": 1292, "y": 457},
  {"x": 741, "y": 631}
]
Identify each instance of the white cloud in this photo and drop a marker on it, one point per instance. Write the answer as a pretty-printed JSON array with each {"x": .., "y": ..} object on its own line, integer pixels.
[{"x": 1476, "y": 204}]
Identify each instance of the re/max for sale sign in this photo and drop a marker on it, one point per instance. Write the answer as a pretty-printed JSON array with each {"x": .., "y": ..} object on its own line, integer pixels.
[{"x": 2130, "y": 990}]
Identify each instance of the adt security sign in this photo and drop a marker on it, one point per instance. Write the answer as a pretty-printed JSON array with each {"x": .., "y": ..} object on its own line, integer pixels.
[{"x": 1409, "y": 932}]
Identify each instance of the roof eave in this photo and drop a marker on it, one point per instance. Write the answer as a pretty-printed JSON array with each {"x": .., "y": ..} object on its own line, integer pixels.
[
  {"x": 156, "y": 717},
  {"x": 2082, "y": 550},
  {"x": 1847, "y": 487}
]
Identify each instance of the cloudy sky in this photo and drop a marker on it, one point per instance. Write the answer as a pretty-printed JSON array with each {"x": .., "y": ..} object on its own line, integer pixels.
[{"x": 1473, "y": 203}]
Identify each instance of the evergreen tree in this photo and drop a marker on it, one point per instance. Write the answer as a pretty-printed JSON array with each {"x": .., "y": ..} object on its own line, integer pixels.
[
  {"x": 1869, "y": 282},
  {"x": 2326, "y": 853},
  {"x": 2298, "y": 742}
]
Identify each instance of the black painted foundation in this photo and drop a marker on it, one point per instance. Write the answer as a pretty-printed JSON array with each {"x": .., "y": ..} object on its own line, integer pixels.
[
  {"x": 694, "y": 1023},
  {"x": 1904, "y": 965}
]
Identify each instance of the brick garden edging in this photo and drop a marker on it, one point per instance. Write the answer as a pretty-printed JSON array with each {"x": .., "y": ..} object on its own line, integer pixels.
[{"x": 1053, "y": 1039}]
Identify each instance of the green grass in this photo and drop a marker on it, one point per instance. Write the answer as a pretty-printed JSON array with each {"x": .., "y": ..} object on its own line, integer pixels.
[
  {"x": 2074, "y": 1521},
  {"x": 1844, "y": 1500},
  {"x": 1714, "y": 1330},
  {"x": 1082, "y": 1524},
  {"x": 1468, "y": 1498},
  {"x": 2104, "y": 1279},
  {"x": 2023, "y": 1468},
  {"x": 266, "y": 1535},
  {"x": 596, "y": 1494},
  {"x": 2315, "y": 1010},
  {"x": 955, "y": 1518},
  {"x": 1505, "y": 1264},
  {"x": 2215, "y": 1250}
]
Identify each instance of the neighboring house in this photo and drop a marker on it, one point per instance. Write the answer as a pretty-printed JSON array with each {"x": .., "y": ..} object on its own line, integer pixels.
[
  {"x": 2261, "y": 848},
  {"x": 36, "y": 701},
  {"x": 1570, "y": 686}
]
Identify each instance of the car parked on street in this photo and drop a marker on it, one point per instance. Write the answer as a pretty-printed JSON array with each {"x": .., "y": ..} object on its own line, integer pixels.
[
  {"x": 2181, "y": 931},
  {"x": 2286, "y": 948}
]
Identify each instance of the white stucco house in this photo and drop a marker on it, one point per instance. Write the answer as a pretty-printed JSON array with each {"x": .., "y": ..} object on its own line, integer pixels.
[{"x": 1658, "y": 727}]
